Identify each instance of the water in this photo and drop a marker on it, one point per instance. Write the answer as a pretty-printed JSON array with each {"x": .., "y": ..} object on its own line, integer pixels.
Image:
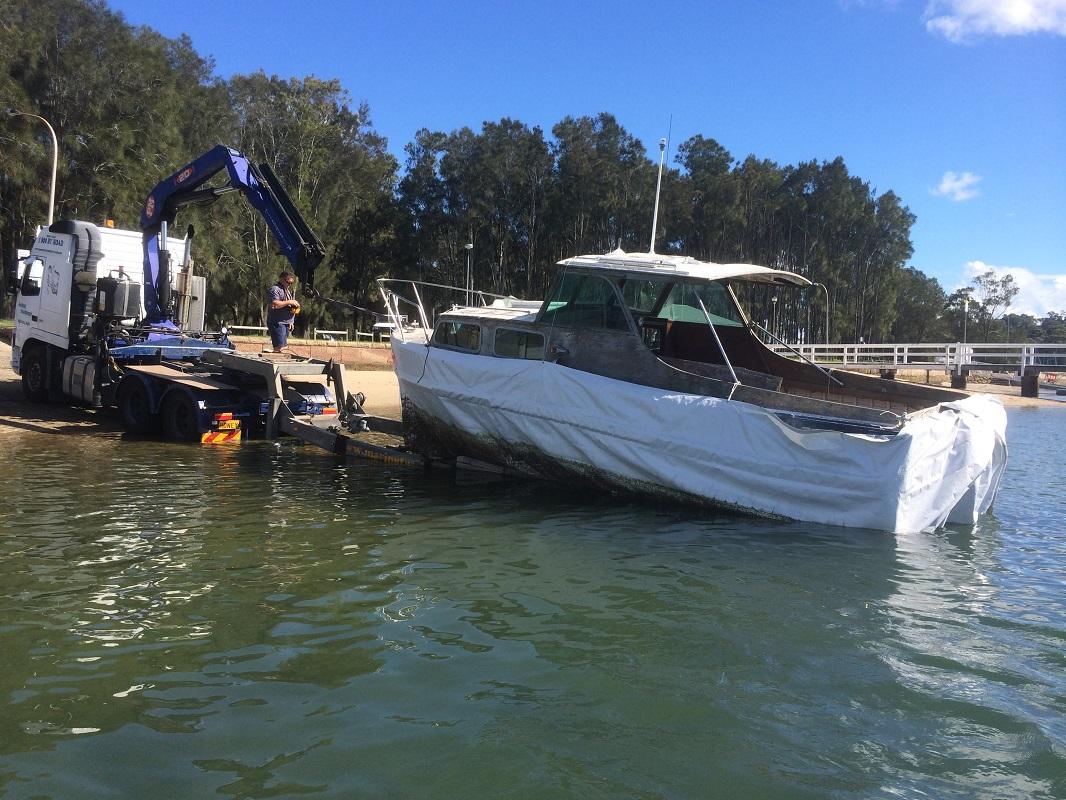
[{"x": 261, "y": 622}]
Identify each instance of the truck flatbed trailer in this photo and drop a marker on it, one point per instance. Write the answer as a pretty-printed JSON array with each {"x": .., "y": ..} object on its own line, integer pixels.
[
  {"x": 293, "y": 395},
  {"x": 349, "y": 432}
]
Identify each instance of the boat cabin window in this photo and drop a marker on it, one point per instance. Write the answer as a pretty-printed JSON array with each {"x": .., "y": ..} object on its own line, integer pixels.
[
  {"x": 642, "y": 295},
  {"x": 585, "y": 301},
  {"x": 683, "y": 304},
  {"x": 519, "y": 344},
  {"x": 458, "y": 335}
]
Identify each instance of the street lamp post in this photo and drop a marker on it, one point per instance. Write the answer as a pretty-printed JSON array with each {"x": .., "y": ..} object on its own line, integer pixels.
[
  {"x": 773, "y": 316},
  {"x": 965, "y": 317},
  {"x": 469, "y": 247},
  {"x": 55, "y": 158}
]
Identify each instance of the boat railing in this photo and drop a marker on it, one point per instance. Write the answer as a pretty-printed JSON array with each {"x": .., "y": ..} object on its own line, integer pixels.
[{"x": 424, "y": 301}]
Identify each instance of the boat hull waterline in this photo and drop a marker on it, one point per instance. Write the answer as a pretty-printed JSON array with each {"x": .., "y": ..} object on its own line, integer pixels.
[{"x": 551, "y": 421}]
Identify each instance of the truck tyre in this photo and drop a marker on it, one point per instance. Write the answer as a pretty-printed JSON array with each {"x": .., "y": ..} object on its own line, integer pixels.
[
  {"x": 181, "y": 418},
  {"x": 135, "y": 408},
  {"x": 34, "y": 369}
]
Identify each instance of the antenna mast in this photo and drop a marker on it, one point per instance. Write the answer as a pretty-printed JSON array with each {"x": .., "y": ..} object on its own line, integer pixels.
[{"x": 658, "y": 188}]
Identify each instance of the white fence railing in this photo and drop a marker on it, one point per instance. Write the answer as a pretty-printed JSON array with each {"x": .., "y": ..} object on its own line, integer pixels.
[
  {"x": 316, "y": 333},
  {"x": 322, "y": 333},
  {"x": 952, "y": 357}
]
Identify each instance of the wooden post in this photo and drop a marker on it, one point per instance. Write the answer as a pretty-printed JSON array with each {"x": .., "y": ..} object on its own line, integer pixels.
[
  {"x": 958, "y": 379},
  {"x": 1031, "y": 384}
]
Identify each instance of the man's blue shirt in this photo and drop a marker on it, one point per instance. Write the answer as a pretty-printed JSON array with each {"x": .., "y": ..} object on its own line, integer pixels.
[{"x": 285, "y": 314}]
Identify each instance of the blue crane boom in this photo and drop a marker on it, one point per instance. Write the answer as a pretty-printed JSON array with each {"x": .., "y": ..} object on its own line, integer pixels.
[{"x": 261, "y": 188}]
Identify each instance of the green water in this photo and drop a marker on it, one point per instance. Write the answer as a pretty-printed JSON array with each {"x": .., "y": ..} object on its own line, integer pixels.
[{"x": 183, "y": 622}]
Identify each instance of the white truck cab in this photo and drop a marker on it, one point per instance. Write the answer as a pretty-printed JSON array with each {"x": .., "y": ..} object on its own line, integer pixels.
[{"x": 59, "y": 291}]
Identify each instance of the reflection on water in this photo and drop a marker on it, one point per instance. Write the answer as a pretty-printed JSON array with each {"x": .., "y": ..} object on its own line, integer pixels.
[{"x": 261, "y": 621}]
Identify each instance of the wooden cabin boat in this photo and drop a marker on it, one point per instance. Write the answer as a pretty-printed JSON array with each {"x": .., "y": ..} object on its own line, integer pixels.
[{"x": 641, "y": 372}]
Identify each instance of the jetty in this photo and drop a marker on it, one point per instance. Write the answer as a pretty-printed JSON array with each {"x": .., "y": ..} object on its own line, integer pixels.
[{"x": 957, "y": 359}]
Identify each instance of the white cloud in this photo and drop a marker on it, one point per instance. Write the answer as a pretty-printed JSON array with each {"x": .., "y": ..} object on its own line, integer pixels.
[
  {"x": 1038, "y": 294},
  {"x": 961, "y": 20},
  {"x": 958, "y": 186}
]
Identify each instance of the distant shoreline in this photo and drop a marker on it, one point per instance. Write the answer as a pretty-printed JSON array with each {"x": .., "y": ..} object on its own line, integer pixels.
[{"x": 369, "y": 371}]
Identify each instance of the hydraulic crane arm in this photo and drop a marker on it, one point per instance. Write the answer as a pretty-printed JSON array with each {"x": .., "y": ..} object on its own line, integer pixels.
[{"x": 258, "y": 184}]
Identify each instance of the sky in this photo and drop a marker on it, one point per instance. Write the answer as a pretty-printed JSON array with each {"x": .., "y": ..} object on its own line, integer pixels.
[{"x": 957, "y": 106}]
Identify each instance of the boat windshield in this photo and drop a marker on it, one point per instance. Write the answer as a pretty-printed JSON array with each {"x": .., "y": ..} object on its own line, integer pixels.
[
  {"x": 585, "y": 301},
  {"x": 642, "y": 295},
  {"x": 682, "y": 304}
]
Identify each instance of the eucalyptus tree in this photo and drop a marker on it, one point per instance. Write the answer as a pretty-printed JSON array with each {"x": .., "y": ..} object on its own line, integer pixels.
[
  {"x": 126, "y": 104},
  {"x": 603, "y": 189},
  {"x": 339, "y": 175},
  {"x": 712, "y": 188},
  {"x": 920, "y": 302},
  {"x": 424, "y": 208},
  {"x": 1053, "y": 328},
  {"x": 994, "y": 295},
  {"x": 515, "y": 166},
  {"x": 488, "y": 189}
]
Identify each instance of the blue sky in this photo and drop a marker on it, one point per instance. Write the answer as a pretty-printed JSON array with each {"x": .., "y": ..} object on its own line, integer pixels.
[{"x": 958, "y": 106}]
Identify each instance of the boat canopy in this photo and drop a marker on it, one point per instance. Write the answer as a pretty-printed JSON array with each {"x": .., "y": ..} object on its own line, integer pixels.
[{"x": 685, "y": 266}]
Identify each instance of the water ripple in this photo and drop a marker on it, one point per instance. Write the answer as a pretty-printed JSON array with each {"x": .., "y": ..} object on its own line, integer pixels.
[{"x": 260, "y": 621}]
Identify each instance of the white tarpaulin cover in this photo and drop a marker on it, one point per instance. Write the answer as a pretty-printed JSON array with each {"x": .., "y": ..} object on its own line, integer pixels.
[{"x": 944, "y": 465}]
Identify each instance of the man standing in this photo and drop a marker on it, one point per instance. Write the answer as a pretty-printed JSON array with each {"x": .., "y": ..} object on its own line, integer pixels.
[{"x": 281, "y": 311}]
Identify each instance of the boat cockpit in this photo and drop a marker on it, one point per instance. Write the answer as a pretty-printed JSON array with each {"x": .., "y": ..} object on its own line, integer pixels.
[{"x": 676, "y": 324}]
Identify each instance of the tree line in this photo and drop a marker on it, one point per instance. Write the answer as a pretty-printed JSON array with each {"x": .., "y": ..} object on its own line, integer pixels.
[{"x": 130, "y": 106}]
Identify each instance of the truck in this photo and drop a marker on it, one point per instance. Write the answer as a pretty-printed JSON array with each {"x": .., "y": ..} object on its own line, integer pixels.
[{"x": 111, "y": 318}]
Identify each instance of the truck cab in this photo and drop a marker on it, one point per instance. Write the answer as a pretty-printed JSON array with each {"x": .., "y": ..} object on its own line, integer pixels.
[
  {"x": 43, "y": 295},
  {"x": 74, "y": 272}
]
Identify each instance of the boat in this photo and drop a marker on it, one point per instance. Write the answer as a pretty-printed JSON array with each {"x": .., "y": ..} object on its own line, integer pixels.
[{"x": 641, "y": 372}]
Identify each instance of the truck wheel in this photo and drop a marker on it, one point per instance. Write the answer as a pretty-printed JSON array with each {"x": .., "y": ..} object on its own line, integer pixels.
[
  {"x": 34, "y": 369},
  {"x": 135, "y": 408},
  {"x": 181, "y": 418}
]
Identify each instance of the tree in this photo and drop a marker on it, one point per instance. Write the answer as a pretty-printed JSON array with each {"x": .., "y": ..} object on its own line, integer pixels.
[
  {"x": 712, "y": 198},
  {"x": 339, "y": 175},
  {"x": 604, "y": 187},
  {"x": 1053, "y": 328},
  {"x": 920, "y": 304},
  {"x": 991, "y": 293}
]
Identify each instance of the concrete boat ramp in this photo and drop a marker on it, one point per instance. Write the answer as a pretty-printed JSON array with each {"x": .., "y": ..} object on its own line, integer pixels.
[{"x": 378, "y": 435}]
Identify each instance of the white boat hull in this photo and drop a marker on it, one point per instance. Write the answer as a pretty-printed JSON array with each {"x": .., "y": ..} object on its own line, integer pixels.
[{"x": 556, "y": 422}]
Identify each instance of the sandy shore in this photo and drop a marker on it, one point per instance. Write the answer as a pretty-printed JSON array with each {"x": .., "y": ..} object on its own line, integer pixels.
[
  {"x": 378, "y": 385},
  {"x": 1011, "y": 396}
]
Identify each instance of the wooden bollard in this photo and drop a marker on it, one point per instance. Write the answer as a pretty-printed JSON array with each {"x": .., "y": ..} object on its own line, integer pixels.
[{"x": 1031, "y": 385}]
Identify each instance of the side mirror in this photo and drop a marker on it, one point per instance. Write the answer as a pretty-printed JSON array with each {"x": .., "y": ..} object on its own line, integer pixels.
[{"x": 13, "y": 272}]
